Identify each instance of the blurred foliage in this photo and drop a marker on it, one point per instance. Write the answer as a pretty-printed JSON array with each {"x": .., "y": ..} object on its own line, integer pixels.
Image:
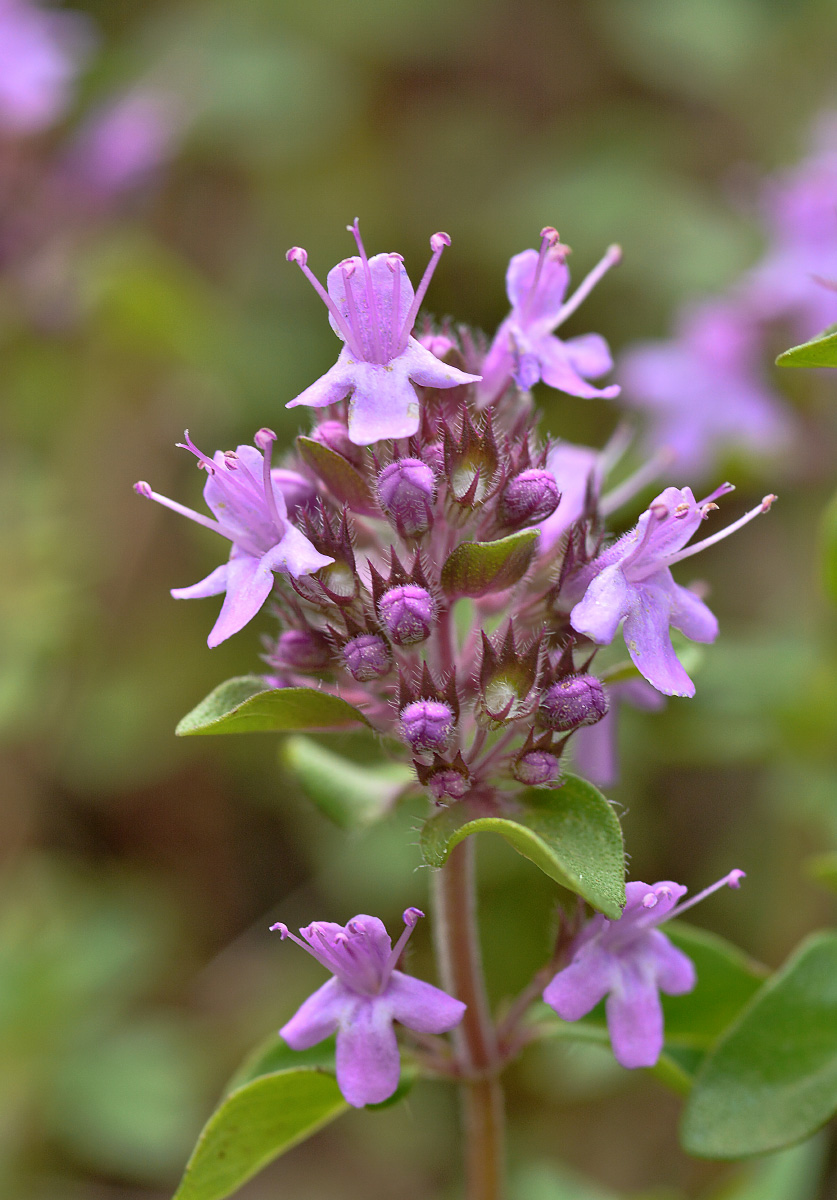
[{"x": 140, "y": 873}]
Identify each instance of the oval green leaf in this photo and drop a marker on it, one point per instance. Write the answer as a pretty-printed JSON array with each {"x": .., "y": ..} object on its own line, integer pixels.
[
  {"x": 821, "y": 351},
  {"x": 345, "y": 483},
  {"x": 255, "y": 1124},
  {"x": 348, "y": 794},
  {"x": 772, "y": 1078},
  {"x": 571, "y": 833},
  {"x": 246, "y": 705},
  {"x": 479, "y": 568}
]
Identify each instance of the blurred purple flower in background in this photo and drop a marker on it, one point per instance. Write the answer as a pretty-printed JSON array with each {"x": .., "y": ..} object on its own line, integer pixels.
[
  {"x": 704, "y": 390},
  {"x": 595, "y": 748},
  {"x": 362, "y": 1000},
  {"x": 630, "y": 961},
  {"x": 41, "y": 52}
]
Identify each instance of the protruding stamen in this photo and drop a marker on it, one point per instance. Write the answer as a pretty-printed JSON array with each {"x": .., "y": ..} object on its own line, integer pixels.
[
  {"x": 264, "y": 439},
  {"x": 374, "y": 317},
  {"x": 300, "y": 257},
  {"x": 143, "y": 489},
  {"x": 205, "y": 463},
  {"x": 721, "y": 534},
  {"x": 437, "y": 244},
  {"x": 612, "y": 256},
  {"x": 549, "y": 238},
  {"x": 723, "y": 490},
  {"x": 733, "y": 880},
  {"x": 411, "y": 918},
  {"x": 281, "y": 928},
  {"x": 207, "y": 522},
  {"x": 394, "y": 262}
]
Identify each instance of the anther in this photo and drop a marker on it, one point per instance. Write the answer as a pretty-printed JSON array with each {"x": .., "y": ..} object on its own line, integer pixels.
[
  {"x": 281, "y": 929},
  {"x": 143, "y": 489},
  {"x": 298, "y": 255},
  {"x": 264, "y": 438}
]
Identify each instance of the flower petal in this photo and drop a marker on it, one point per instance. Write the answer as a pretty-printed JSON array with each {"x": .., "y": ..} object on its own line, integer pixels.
[
  {"x": 589, "y": 354},
  {"x": 544, "y": 305},
  {"x": 318, "y": 1017},
  {"x": 213, "y": 585},
  {"x": 421, "y": 1006},
  {"x": 384, "y": 403},
  {"x": 674, "y": 970},
  {"x": 295, "y": 555},
  {"x": 427, "y": 370},
  {"x": 368, "y": 1064},
  {"x": 249, "y": 583},
  {"x": 607, "y": 600},
  {"x": 646, "y": 633},
  {"x": 691, "y": 616},
  {"x": 577, "y": 989},
  {"x": 335, "y": 385},
  {"x": 558, "y": 371},
  {"x": 635, "y": 1016}
]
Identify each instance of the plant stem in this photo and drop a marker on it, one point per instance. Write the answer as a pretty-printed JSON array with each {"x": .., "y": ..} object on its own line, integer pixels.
[{"x": 475, "y": 1040}]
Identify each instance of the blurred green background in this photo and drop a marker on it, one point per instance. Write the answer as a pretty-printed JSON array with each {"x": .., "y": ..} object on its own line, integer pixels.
[{"x": 139, "y": 873}]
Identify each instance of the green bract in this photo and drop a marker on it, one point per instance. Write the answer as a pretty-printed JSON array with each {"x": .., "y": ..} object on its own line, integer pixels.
[
  {"x": 478, "y": 568},
  {"x": 821, "y": 351}
]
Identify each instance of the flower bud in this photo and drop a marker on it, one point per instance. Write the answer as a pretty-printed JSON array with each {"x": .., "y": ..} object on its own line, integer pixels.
[
  {"x": 427, "y": 724},
  {"x": 448, "y": 784},
  {"x": 367, "y": 657},
  {"x": 299, "y": 650},
  {"x": 536, "y": 767},
  {"x": 335, "y": 436},
  {"x": 529, "y": 497},
  {"x": 408, "y": 612},
  {"x": 572, "y": 702},
  {"x": 406, "y": 490}
]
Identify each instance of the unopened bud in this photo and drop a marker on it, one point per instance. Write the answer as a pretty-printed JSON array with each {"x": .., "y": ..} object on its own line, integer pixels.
[
  {"x": 572, "y": 702},
  {"x": 448, "y": 784},
  {"x": 406, "y": 490},
  {"x": 408, "y": 612},
  {"x": 367, "y": 657},
  {"x": 536, "y": 767},
  {"x": 427, "y": 725},
  {"x": 529, "y": 497},
  {"x": 335, "y": 436},
  {"x": 299, "y": 650}
]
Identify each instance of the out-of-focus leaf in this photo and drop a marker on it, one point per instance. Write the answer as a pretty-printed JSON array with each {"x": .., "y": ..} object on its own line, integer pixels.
[
  {"x": 479, "y": 568},
  {"x": 823, "y": 869},
  {"x": 772, "y": 1079},
  {"x": 350, "y": 795},
  {"x": 789, "y": 1175},
  {"x": 255, "y": 1124},
  {"x": 246, "y": 705},
  {"x": 828, "y": 544},
  {"x": 571, "y": 833},
  {"x": 548, "y": 1181},
  {"x": 341, "y": 478},
  {"x": 821, "y": 351}
]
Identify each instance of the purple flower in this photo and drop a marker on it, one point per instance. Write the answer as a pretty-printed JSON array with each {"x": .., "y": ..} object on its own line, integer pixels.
[
  {"x": 361, "y": 1002},
  {"x": 40, "y": 55},
  {"x": 595, "y": 747},
  {"x": 121, "y": 146},
  {"x": 372, "y": 309},
  {"x": 801, "y": 215},
  {"x": 631, "y": 582},
  {"x": 525, "y": 347},
  {"x": 250, "y": 510},
  {"x": 630, "y": 961},
  {"x": 704, "y": 390},
  {"x": 577, "y": 470}
]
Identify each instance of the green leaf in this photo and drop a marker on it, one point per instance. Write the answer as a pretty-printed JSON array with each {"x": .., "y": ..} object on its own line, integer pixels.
[
  {"x": 828, "y": 549},
  {"x": 727, "y": 980},
  {"x": 821, "y": 351},
  {"x": 350, "y": 795},
  {"x": 772, "y": 1079},
  {"x": 571, "y": 833},
  {"x": 255, "y": 1124},
  {"x": 246, "y": 705},
  {"x": 274, "y": 1054},
  {"x": 341, "y": 478},
  {"x": 478, "y": 568},
  {"x": 822, "y": 868}
]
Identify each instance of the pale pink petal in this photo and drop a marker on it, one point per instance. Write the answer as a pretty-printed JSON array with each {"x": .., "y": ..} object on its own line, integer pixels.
[
  {"x": 554, "y": 278},
  {"x": 249, "y": 583},
  {"x": 692, "y": 617},
  {"x": 647, "y": 637},
  {"x": 319, "y": 1016},
  {"x": 213, "y": 585},
  {"x": 427, "y": 370},
  {"x": 577, "y": 989},
  {"x": 607, "y": 600},
  {"x": 558, "y": 371},
  {"x": 294, "y": 555},
  {"x": 589, "y": 355},
  {"x": 335, "y": 385},
  {"x": 368, "y": 1064},
  {"x": 635, "y": 1017},
  {"x": 675, "y": 971},
  {"x": 421, "y": 1006},
  {"x": 384, "y": 403}
]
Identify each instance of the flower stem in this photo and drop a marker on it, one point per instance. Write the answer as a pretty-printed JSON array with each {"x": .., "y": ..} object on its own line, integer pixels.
[{"x": 475, "y": 1040}]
